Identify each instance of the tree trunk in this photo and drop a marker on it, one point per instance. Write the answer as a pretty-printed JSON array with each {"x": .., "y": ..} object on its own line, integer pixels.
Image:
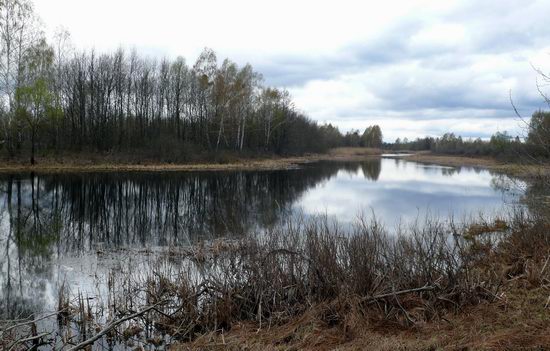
[{"x": 32, "y": 145}]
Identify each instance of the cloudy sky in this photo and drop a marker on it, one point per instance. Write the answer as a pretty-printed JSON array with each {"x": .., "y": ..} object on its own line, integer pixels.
[{"x": 416, "y": 68}]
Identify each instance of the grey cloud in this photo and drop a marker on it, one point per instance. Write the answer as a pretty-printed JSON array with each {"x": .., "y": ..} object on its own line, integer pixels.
[
  {"x": 443, "y": 80},
  {"x": 492, "y": 27},
  {"x": 286, "y": 71}
]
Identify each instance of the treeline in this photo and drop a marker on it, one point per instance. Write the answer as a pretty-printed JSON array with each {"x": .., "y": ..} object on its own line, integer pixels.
[
  {"x": 371, "y": 137},
  {"x": 54, "y": 99},
  {"x": 500, "y": 145}
]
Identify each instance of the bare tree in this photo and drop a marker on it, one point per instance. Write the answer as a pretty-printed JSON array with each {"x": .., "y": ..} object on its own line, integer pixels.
[{"x": 126, "y": 102}]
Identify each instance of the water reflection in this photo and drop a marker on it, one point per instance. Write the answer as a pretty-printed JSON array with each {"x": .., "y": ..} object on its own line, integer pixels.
[
  {"x": 399, "y": 191},
  {"x": 58, "y": 226}
]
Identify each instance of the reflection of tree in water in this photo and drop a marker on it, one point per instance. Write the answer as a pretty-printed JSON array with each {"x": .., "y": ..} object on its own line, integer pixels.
[
  {"x": 28, "y": 234},
  {"x": 47, "y": 216},
  {"x": 534, "y": 194},
  {"x": 537, "y": 198},
  {"x": 163, "y": 209},
  {"x": 450, "y": 171},
  {"x": 371, "y": 168}
]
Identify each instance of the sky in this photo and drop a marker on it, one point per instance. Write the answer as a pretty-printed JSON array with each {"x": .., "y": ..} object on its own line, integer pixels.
[{"x": 415, "y": 67}]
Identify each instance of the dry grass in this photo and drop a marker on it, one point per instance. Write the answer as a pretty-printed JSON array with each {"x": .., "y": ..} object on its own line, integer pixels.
[
  {"x": 495, "y": 226},
  {"x": 492, "y": 293},
  {"x": 533, "y": 171},
  {"x": 235, "y": 162},
  {"x": 310, "y": 285},
  {"x": 514, "y": 315},
  {"x": 52, "y": 167},
  {"x": 350, "y": 153},
  {"x": 454, "y": 161},
  {"x": 519, "y": 322},
  {"x": 98, "y": 163}
]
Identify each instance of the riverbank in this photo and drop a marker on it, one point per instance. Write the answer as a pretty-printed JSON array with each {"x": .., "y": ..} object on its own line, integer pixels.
[
  {"x": 519, "y": 321},
  {"x": 454, "y": 161},
  {"x": 228, "y": 162},
  {"x": 498, "y": 297},
  {"x": 529, "y": 169},
  {"x": 303, "y": 287},
  {"x": 235, "y": 162}
]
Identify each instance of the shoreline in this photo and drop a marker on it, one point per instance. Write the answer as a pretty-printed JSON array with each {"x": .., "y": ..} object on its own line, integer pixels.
[
  {"x": 240, "y": 164},
  {"x": 525, "y": 171},
  {"x": 454, "y": 161},
  {"x": 269, "y": 163}
]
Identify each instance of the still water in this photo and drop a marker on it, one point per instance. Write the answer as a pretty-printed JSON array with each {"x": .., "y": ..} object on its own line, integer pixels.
[{"x": 69, "y": 228}]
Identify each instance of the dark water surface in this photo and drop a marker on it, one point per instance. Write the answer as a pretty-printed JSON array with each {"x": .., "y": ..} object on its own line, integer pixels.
[{"x": 70, "y": 228}]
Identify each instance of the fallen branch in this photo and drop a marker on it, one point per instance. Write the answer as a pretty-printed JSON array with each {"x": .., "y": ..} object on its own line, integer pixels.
[
  {"x": 112, "y": 325},
  {"x": 30, "y": 338},
  {"x": 544, "y": 267},
  {"x": 30, "y": 322},
  {"x": 402, "y": 292}
]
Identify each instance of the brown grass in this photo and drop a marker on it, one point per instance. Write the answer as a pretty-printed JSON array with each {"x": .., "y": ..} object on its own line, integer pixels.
[
  {"x": 519, "y": 321},
  {"x": 495, "y": 226},
  {"x": 99, "y": 163},
  {"x": 113, "y": 163},
  {"x": 308, "y": 285},
  {"x": 533, "y": 171},
  {"x": 349, "y": 153},
  {"x": 454, "y": 161},
  {"x": 107, "y": 163},
  {"x": 503, "y": 303}
]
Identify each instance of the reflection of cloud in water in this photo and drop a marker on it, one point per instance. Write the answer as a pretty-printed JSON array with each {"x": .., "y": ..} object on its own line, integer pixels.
[{"x": 405, "y": 191}]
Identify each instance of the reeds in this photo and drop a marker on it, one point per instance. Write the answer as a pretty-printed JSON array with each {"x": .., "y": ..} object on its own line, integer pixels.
[
  {"x": 418, "y": 274},
  {"x": 351, "y": 279}
]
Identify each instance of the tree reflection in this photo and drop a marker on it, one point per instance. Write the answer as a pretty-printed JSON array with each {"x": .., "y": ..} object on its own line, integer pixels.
[
  {"x": 372, "y": 169},
  {"x": 44, "y": 217},
  {"x": 29, "y": 235}
]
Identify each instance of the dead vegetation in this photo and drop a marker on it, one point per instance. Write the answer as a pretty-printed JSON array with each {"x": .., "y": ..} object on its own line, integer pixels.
[
  {"x": 111, "y": 163},
  {"x": 312, "y": 285},
  {"x": 495, "y": 226},
  {"x": 455, "y": 160}
]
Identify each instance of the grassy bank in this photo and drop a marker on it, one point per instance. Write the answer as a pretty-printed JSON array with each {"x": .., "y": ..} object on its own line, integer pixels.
[
  {"x": 310, "y": 285},
  {"x": 453, "y": 160},
  {"x": 518, "y": 323},
  {"x": 226, "y": 161},
  {"x": 411, "y": 290},
  {"x": 531, "y": 169},
  {"x": 232, "y": 161}
]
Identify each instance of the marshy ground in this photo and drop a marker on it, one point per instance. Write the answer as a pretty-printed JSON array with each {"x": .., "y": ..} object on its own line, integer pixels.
[{"x": 307, "y": 285}]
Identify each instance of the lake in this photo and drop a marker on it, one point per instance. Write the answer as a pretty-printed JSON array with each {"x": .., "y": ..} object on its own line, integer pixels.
[{"x": 71, "y": 228}]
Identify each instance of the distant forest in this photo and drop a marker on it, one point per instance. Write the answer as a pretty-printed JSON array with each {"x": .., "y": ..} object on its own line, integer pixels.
[
  {"x": 55, "y": 100},
  {"x": 536, "y": 145}
]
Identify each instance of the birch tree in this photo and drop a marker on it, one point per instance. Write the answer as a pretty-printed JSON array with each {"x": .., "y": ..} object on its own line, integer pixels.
[
  {"x": 18, "y": 32},
  {"x": 35, "y": 100}
]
